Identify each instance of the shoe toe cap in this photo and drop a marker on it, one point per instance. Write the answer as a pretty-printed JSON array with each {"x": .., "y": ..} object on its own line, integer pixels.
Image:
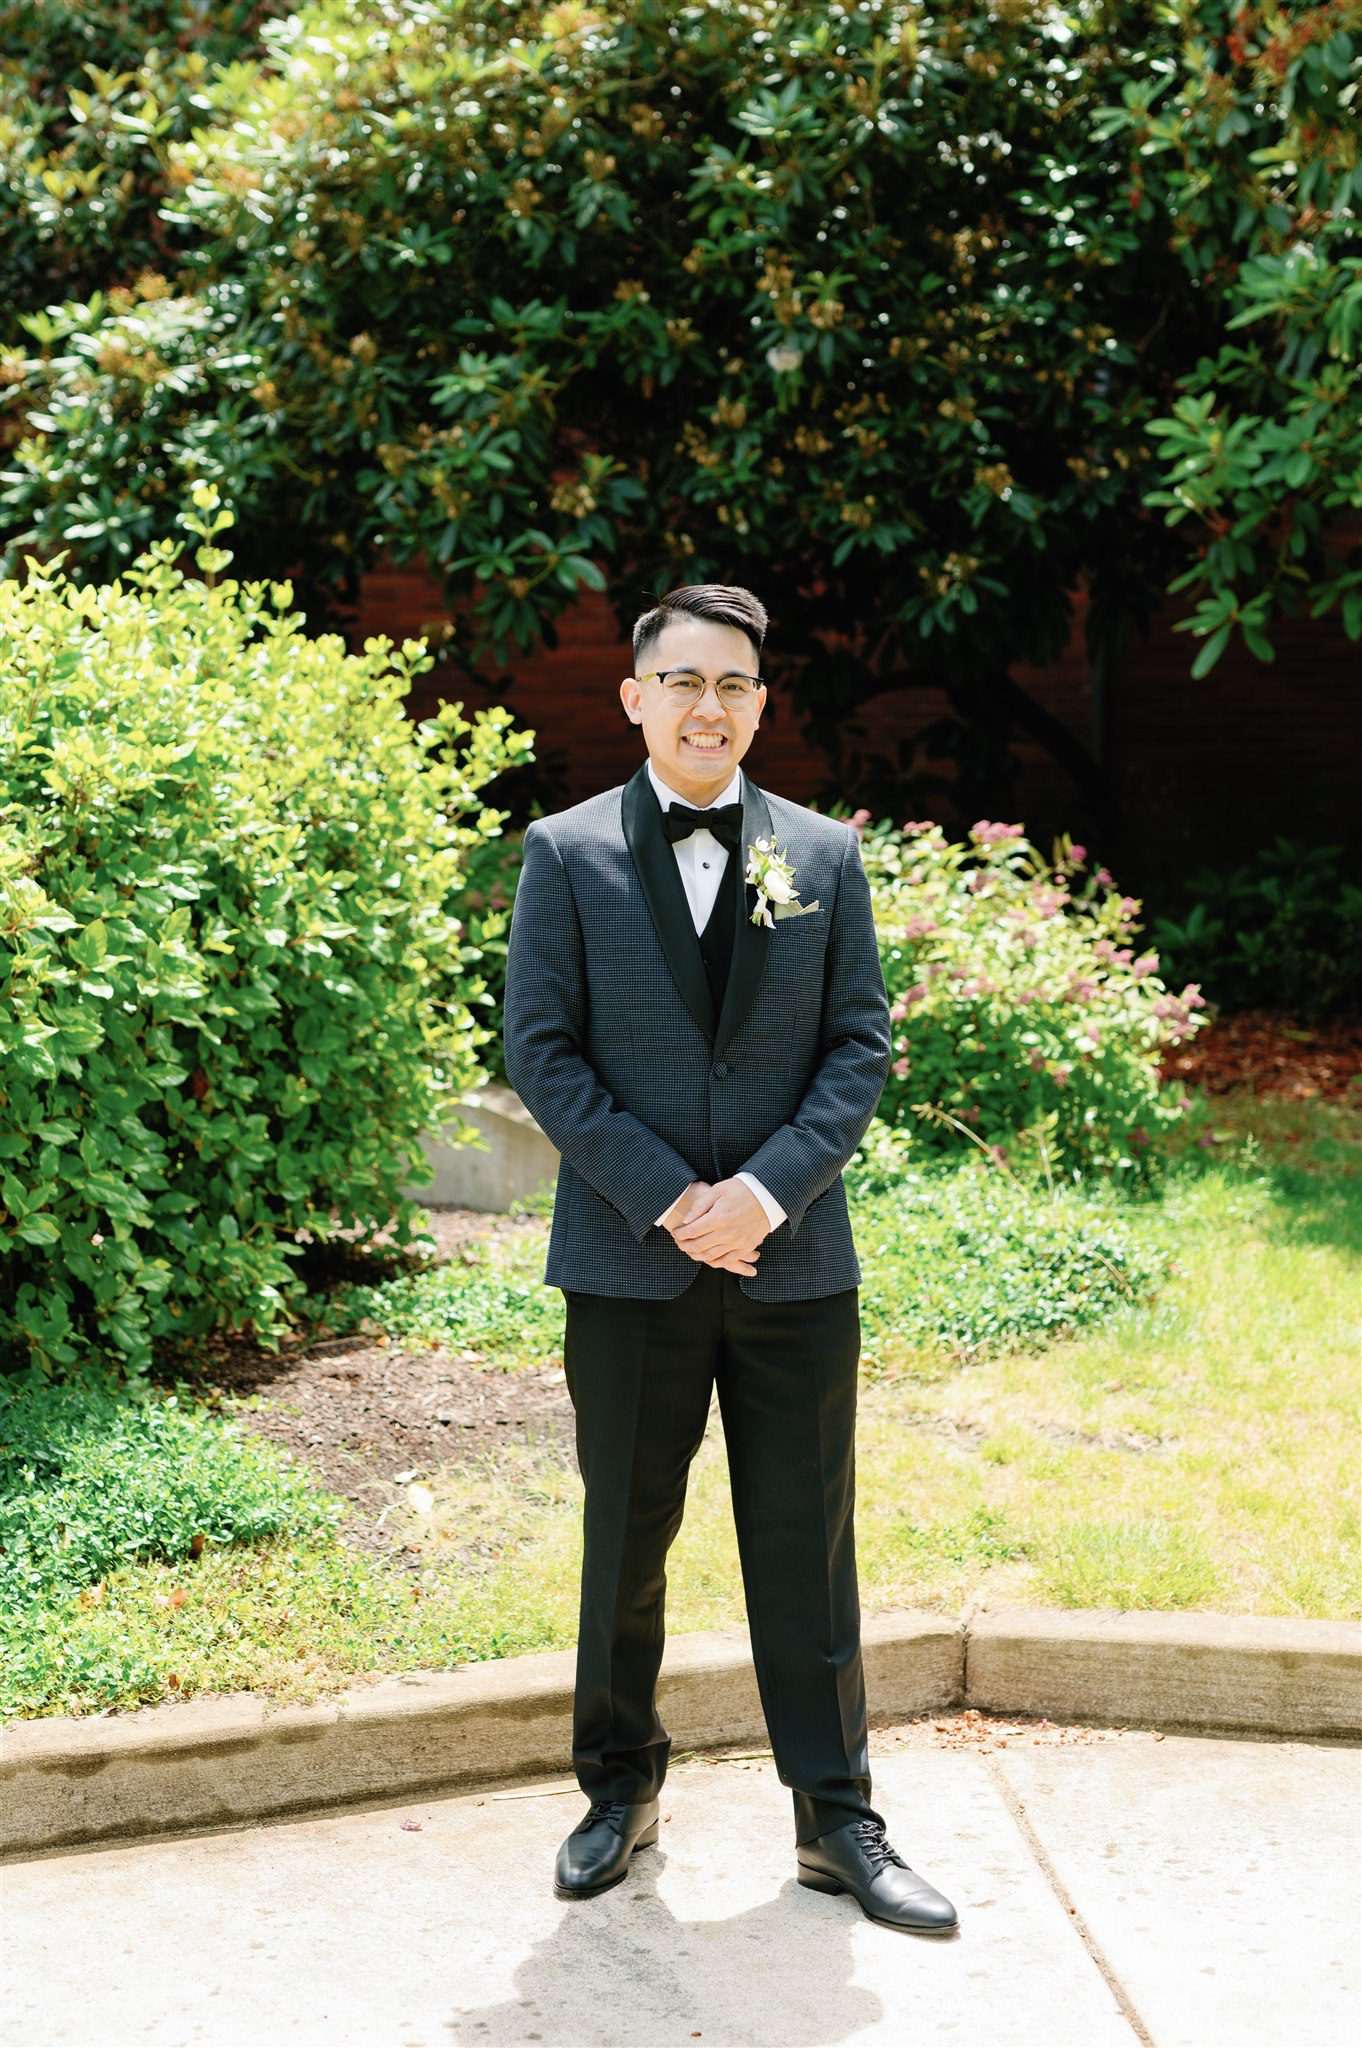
[{"x": 921, "y": 1905}]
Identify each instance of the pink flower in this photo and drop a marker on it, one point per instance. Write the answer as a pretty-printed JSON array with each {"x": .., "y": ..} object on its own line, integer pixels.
[
  {"x": 915, "y": 825},
  {"x": 918, "y": 925},
  {"x": 995, "y": 835},
  {"x": 860, "y": 819},
  {"x": 914, "y": 994},
  {"x": 1193, "y": 998},
  {"x": 1146, "y": 964},
  {"x": 1078, "y": 853},
  {"x": 1081, "y": 990},
  {"x": 900, "y": 1067},
  {"x": 1106, "y": 878}
]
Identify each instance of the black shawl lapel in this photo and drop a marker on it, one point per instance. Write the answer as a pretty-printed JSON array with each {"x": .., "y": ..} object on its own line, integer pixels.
[
  {"x": 750, "y": 941},
  {"x": 666, "y": 896}
]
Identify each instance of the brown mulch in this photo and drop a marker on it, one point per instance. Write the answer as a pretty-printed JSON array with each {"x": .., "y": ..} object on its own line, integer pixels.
[
  {"x": 1271, "y": 1055},
  {"x": 366, "y": 1413}
]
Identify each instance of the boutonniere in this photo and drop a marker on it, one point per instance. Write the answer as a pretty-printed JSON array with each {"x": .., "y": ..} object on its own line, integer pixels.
[{"x": 773, "y": 880}]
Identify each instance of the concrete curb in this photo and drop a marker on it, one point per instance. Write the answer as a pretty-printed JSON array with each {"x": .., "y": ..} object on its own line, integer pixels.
[{"x": 224, "y": 1761}]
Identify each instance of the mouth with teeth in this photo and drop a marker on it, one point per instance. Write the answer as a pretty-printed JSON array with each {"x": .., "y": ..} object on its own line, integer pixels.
[{"x": 704, "y": 743}]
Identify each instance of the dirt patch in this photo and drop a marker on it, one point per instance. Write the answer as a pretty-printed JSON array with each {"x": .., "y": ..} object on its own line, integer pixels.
[
  {"x": 363, "y": 1410},
  {"x": 1271, "y": 1055}
]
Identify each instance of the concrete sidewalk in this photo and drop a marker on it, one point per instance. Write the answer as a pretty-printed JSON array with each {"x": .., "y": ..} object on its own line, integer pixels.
[{"x": 1114, "y": 1887}]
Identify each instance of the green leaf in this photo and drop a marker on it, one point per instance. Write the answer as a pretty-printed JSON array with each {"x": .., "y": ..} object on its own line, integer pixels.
[
  {"x": 1210, "y": 653},
  {"x": 38, "y": 1230},
  {"x": 90, "y": 946}
]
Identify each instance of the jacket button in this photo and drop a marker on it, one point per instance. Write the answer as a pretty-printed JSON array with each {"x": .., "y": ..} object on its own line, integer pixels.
[{"x": 720, "y": 1069}]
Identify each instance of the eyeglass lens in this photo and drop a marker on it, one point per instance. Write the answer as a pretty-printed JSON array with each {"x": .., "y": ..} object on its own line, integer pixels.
[{"x": 689, "y": 687}]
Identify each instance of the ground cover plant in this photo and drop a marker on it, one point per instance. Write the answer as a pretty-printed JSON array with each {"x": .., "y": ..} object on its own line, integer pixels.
[
  {"x": 97, "y": 1478},
  {"x": 1180, "y": 1436}
]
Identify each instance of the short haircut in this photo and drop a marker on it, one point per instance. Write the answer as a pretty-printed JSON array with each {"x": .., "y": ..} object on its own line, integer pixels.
[{"x": 728, "y": 604}]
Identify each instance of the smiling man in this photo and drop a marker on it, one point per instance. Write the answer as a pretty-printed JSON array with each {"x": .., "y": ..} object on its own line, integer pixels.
[{"x": 696, "y": 1016}]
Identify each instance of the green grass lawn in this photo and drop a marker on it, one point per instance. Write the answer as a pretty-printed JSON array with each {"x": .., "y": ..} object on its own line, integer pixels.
[{"x": 1080, "y": 1400}]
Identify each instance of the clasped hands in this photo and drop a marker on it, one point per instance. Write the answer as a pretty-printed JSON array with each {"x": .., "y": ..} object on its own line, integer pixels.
[{"x": 719, "y": 1223}]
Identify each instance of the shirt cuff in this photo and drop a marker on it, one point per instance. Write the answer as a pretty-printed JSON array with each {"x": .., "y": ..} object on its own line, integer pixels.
[{"x": 775, "y": 1214}]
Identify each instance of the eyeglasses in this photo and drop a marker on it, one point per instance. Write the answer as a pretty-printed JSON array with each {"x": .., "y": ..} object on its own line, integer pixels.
[{"x": 687, "y": 686}]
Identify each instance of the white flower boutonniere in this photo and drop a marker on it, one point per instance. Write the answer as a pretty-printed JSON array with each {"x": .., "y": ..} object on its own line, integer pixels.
[{"x": 773, "y": 879}]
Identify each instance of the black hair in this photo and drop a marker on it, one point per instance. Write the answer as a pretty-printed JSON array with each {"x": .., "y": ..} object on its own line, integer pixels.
[{"x": 728, "y": 604}]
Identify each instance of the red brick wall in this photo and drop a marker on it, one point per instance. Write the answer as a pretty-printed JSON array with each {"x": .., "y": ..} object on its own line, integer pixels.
[{"x": 1207, "y": 770}]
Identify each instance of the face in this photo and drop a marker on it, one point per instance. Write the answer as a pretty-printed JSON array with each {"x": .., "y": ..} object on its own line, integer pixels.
[{"x": 697, "y": 773}]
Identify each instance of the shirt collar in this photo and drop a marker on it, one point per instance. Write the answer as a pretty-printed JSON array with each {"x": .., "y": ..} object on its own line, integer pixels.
[{"x": 667, "y": 796}]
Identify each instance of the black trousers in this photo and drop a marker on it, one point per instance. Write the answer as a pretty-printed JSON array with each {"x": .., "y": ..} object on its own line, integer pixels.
[{"x": 640, "y": 1375}]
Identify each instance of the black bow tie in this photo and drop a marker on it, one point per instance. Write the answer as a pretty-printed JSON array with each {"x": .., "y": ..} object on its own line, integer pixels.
[{"x": 724, "y": 821}]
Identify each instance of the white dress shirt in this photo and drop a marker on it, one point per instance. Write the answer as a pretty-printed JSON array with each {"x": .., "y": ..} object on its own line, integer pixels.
[{"x": 700, "y": 859}]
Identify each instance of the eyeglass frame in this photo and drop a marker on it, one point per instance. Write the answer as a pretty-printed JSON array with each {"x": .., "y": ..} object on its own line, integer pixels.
[{"x": 659, "y": 676}]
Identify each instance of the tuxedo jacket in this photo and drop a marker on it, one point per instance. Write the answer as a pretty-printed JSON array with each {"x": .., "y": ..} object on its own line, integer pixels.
[{"x": 612, "y": 1042}]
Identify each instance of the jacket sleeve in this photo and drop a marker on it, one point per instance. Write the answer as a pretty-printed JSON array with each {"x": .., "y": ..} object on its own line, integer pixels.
[
  {"x": 801, "y": 1160},
  {"x": 629, "y": 1166}
]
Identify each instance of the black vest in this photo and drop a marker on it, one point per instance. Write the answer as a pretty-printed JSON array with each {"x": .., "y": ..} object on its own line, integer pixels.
[{"x": 716, "y": 940}]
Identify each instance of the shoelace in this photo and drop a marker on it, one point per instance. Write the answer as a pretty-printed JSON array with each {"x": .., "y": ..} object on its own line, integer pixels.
[
  {"x": 871, "y": 1836},
  {"x": 605, "y": 1809}
]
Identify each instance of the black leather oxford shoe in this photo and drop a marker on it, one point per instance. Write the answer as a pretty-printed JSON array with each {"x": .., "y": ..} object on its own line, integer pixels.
[
  {"x": 858, "y": 1859},
  {"x": 596, "y": 1854}
]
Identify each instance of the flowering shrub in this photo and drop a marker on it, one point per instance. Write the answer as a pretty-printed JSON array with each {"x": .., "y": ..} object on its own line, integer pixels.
[
  {"x": 561, "y": 297},
  {"x": 1022, "y": 1007}
]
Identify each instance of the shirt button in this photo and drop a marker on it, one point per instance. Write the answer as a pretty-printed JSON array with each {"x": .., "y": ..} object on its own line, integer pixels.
[{"x": 720, "y": 1068}]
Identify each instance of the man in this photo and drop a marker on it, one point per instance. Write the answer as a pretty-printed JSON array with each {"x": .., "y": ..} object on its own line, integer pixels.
[{"x": 705, "y": 1078}]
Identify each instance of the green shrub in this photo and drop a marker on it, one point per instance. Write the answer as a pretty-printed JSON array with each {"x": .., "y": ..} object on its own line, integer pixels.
[
  {"x": 552, "y": 297},
  {"x": 1283, "y": 931},
  {"x": 491, "y": 873},
  {"x": 1020, "y": 1007},
  {"x": 92, "y": 92},
  {"x": 232, "y": 994},
  {"x": 119, "y": 387},
  {"x": 92, "y": 1479},
  {"x": 971, "y": 1261}
]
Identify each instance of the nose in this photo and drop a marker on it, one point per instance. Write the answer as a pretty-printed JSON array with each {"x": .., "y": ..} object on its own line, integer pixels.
[{"x": 703, "y": 699}]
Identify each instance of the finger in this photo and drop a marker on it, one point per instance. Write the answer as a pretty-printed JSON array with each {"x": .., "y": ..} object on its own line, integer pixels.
[{"x": 706, "y": 1238}]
